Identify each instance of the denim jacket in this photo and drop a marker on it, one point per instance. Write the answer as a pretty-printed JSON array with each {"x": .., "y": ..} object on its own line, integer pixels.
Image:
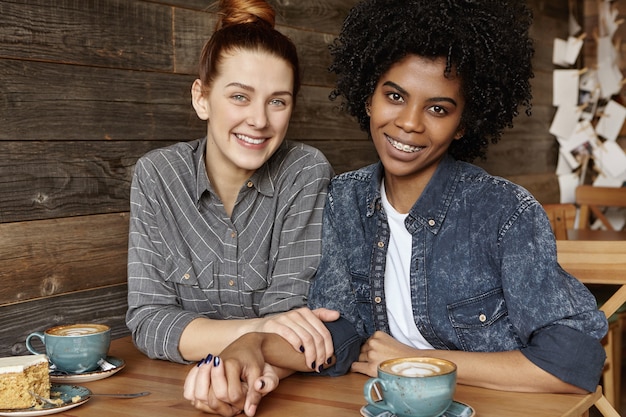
[{"x": 484, "y": 273}]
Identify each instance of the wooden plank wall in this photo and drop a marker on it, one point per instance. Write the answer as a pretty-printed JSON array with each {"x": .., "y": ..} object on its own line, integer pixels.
[{"x": 86, "y": 87}]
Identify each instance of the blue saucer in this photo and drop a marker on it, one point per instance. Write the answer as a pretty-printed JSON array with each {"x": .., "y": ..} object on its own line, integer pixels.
[{"x": 456, "y": 409}]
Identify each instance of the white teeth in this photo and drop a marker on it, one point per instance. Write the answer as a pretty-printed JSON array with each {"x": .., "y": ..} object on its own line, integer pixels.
[
  {"x": 402, "y": 146},
  {"x": 249, "y": 140}
]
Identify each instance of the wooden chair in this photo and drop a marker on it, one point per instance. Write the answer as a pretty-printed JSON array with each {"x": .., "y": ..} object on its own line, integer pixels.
[
  {"x": 591, "y": 200},
  {"x": 601, "y": 263},
  {"x": 562, "y": 217}
]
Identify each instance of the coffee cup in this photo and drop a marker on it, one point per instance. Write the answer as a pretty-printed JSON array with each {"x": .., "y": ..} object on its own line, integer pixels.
[
  {"x": 74, "y": 348},
  {"x": 413, "y": 387}
]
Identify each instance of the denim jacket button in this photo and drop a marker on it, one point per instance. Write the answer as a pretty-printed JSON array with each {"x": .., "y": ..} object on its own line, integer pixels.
[
  {"x": 482, "y": 318},
  {"x": 381, "y": 244},
  {"x": 377, "y": 300},
  {"x": 431, "y": 222}
]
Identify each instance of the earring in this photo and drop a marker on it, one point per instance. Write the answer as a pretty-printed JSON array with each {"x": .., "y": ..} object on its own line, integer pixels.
[{"x": 368, "y": 110}]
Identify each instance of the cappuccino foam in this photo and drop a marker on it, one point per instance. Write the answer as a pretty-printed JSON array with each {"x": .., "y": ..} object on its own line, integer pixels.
[
  {"x": 77, "y": 329},
  {"x": 415, "y": 369}
]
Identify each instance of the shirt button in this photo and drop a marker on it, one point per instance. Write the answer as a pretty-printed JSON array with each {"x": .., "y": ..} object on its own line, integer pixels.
[
  {"x": 231, "y": 282},
  {"x": 186, "y": 276},
  {"x": 250, "y": 184},
  {"x": 233, "y": 234},
  {"x": 431, "y": 222},
  {"x": 377, "y": 300},
  {"x": 381, "y": 244},
  {"x": 482, "y": 318}
]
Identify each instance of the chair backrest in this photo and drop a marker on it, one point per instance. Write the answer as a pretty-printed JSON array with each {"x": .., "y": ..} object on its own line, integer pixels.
[
  {"x": 562, "y": 217},
  {"x": 596, "y": 262},
  {"x": 591, "y": 200}
]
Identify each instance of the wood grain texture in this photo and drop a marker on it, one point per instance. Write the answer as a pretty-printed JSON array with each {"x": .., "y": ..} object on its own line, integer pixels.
[
  {"x": 51, "y": 179},
  {"x": 51, "y": 257},
  {"x": 50, "y": 102},
  {"x": 103, "y": 33}
]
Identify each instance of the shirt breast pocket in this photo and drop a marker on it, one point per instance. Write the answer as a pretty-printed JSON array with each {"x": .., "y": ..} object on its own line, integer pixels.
[
  {"x": 184, "y": 273},
  {"x": 482, "y": 325},
  {"x": 255, "y": 277}
]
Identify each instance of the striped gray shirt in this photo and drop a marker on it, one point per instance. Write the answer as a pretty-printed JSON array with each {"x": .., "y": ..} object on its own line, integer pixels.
[{"x": 187, "y": 258}]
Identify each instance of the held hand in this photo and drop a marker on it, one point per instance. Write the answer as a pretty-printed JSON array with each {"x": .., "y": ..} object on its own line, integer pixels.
[
  {"x": 379, "y": 347},
  {"x": 243, "y": 361},
  {"x": 305, "y": 331},
  {"x": 199, "y": 389}
]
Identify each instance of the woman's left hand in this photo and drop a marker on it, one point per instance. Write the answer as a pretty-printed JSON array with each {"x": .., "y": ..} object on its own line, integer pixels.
[{"x": 305, "y": 331}]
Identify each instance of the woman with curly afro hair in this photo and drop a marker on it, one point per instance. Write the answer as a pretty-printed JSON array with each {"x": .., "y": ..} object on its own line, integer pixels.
[{"x": 425, "y": 254}]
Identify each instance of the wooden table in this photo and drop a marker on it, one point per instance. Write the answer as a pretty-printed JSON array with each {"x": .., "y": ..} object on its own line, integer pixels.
[
  {"x": 297, "y": 396},
  {"x": 588, "y": 234}
]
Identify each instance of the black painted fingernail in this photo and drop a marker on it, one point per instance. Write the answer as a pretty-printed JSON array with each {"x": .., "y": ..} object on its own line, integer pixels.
[
  {"x": 320, "y": 368},
  {"x": 329, "y": 361},
  {"x": 208, "y": 358},
  {"x": 216, "y": 361},
  {"x": 313, "y": 365},
  {"x": 262, "y": 383},
  {"x": 301, "y": 348}
]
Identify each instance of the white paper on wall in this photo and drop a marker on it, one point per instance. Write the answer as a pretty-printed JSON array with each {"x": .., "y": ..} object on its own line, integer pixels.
[
  {"x": 611, "y": 121},
  {"x": 610, "y": 78},
  {"x": 608, "y": 16},
  {"x": 565, "y": 87},
  {"x": 567, "y": 186},
  {"x": 563, "y": 166},
  {"x": 559, "y": 52},
  {"x": 609, "y": 181},
  {"x": 610, "y": 159},
  {"x": 565, "y": 52},
  {"x": 565, "y": 121}
]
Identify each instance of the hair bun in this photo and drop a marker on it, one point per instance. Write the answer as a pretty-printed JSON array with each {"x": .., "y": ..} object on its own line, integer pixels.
[{"x": 235, "y": 12}]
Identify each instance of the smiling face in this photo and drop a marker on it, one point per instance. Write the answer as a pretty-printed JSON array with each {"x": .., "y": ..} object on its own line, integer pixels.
[
  {"x": 415, "y": 114},
  {"x": 248, "y": 107}
]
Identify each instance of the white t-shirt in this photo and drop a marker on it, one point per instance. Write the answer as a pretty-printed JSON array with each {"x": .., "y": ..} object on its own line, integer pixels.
[{"x": 398, "y": 279}]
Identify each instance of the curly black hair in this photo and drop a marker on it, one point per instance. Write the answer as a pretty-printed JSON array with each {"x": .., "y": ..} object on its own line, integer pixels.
[{"x": 485, "y": 41}]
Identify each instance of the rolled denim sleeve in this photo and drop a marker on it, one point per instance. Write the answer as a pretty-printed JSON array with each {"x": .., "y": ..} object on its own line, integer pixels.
[
  {"x": 581, "y": 366},
  {"x": 347, "y": 345}
]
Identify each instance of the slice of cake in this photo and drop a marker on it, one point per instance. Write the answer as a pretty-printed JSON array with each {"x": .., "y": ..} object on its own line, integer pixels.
[{"x": 18, "y": 376}]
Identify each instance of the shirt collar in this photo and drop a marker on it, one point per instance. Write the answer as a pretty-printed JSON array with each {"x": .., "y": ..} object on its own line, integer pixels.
[
  {"x": 262, "y": 180},
  {"x": 202, "y": 178},
  {"x": 431, "y": 208}
]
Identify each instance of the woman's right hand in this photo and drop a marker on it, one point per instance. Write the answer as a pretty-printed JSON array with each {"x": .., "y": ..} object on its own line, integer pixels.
[
  {"x": 304, "y": 330},
  {"x": 230, "y": 384}
]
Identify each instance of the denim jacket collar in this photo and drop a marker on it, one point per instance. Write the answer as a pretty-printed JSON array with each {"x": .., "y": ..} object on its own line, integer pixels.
[{"x": 430, "y": 210}]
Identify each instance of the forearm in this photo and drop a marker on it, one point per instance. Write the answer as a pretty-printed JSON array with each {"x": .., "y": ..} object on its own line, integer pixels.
[
  {"x": 508, "y": 371},
  {"x": 203, "y": 336},
  {"x": 277, "y": 352}
]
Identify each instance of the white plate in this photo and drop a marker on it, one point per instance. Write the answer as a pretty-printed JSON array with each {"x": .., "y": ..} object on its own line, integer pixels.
[
  {"x": 456, "y": 409},
  {"x": 65, "y": 392},
  {"x": 62, "y": 378}
]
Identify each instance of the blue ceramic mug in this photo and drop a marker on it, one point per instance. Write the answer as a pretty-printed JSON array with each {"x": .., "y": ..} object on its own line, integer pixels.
[
  {"x": 413, "y": 387},
  {"x": 74, "y": 348}
]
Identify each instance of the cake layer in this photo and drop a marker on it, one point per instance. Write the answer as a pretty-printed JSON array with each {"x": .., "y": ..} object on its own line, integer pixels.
[{"x": 18, "y": 376}]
